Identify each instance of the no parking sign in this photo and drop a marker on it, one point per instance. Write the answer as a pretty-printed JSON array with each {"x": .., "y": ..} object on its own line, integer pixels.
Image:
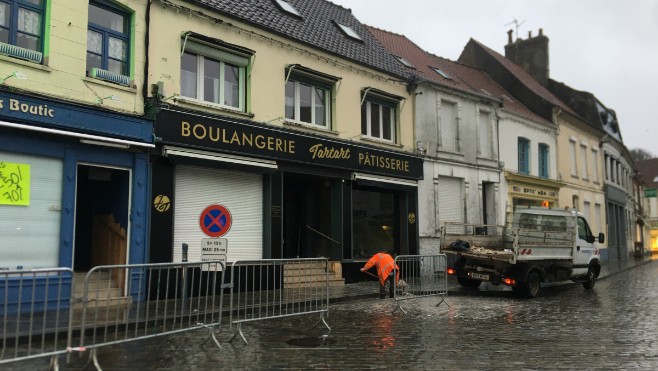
[{"x": 215, "y": 220}]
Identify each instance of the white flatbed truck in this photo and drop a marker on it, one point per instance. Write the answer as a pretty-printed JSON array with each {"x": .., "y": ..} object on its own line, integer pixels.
[{"x": 537, "y": 245}]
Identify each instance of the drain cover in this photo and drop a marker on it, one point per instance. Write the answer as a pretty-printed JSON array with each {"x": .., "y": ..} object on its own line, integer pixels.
[{"x": 311, "y": 342}]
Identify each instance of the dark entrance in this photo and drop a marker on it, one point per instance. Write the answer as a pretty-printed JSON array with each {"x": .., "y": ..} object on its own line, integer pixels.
[
  {"x": 101, "y": 217},
  {"x": 307, "y": 216},
  {"x": 376, "y": 221}
]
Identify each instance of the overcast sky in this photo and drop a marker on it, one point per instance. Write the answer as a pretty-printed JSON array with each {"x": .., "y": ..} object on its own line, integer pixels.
[{"x": 606, "y": 47}]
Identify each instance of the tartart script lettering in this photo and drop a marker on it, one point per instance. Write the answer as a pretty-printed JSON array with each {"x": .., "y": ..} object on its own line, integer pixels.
[{"x": 320, "y": 151}]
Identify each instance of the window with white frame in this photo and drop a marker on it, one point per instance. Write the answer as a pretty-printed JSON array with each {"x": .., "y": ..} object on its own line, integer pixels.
[
  {"x": 214, "y": 74},
  {"x": 583, "y": 156},
  {"x": 485, "y": 134},
  {"x": 308, "y": 99},
  {"x": 378, "y": 117},
  {"x": 108, "y": 37},
  {"x": 448, "y": 127},
  {"x": 21, "y": 23},
  {"x": 595, "y": 165},
  {"x": 572, "y": 153}
]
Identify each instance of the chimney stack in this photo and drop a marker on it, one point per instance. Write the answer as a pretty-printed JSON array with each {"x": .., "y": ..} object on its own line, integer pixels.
[
  {"x": 509, "y": 36},
  {"x": 531, "y": 55}
]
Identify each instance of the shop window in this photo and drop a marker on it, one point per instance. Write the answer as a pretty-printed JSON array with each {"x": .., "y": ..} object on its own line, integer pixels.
[
  {"x": 524, "y": 155},
  {"x": 308, "y": 98},
  {"x": 21, "y": 29},
  {"x": 214, "y": 74},
  {"x": 374, "y": 222},
  {"x": 108, "y": 38},
  {"x": 378, "y": 117},
  {"x": 543, "y": 160}
]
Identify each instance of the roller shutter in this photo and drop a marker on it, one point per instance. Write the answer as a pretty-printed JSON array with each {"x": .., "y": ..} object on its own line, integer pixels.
[
  {"x": 450, "y": 200},
  {"x": 241, "y": 193}
]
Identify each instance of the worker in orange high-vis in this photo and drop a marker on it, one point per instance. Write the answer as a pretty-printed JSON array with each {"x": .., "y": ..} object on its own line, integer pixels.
[{"x": 386, "y": 270}]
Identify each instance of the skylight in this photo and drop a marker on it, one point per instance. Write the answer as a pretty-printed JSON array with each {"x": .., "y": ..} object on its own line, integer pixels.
[
  {"x": 287, "y": 7},
  {"x": 406, "y": 62},
  {"x": 440, "y": 72},
  {"x": 349, "y": 31}
]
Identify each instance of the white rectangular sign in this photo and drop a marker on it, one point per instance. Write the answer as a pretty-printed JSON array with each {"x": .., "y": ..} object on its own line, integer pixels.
[{"x": 213, "y": 249}]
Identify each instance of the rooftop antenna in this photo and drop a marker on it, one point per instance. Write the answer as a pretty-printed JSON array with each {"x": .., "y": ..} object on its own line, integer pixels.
[{"x": 517, "y": 24}]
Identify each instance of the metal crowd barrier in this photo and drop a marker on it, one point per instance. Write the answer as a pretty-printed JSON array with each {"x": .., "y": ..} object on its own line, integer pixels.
[
  {"x": 421, "y": 276},
  {"x": 124, "y": 303},
  {"x": 275, "y": 288},
  {"x": 35, "y": 313}
]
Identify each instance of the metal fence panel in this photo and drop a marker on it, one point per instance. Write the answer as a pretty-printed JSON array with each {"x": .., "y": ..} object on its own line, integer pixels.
[
  {"x": 421, "y": 276},
  {"x": 274, "y": 288},
  {"x": 35, "y": 313},
  {"x": 124, "y": 303}
]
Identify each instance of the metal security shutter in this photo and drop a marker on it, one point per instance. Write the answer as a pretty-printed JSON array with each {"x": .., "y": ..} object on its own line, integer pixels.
[
  {"x": 241, "y": 193},
  {"x": 450, "y": 200},
  {"x": 30, "y": 233}
]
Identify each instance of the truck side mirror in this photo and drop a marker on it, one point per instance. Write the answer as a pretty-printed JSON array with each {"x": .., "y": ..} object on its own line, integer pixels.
[
  {"x": 601, "y": 238},
  {"x": 590, "y": 239}
]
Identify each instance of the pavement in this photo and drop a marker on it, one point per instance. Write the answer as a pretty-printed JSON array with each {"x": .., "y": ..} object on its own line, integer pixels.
[{"x": 370, "y": 289}]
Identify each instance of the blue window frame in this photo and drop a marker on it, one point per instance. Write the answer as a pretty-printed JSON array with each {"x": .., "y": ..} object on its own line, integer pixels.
[
  {"x": 108, "y": 38},
  {"x": 524, "y": 156},
  {"x": 21, "y": 23},
  {"x": 543, "y": 160}
]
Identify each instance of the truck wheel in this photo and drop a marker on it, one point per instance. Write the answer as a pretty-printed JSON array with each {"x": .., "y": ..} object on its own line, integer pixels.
[
  {"x": 530, "y": 288},
  {"x": 590, "y": 279},
  {"x": 468, "y": 283}
]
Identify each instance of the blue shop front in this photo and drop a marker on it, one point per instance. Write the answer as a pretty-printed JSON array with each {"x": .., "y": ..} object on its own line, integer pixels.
[{"x": 74, "y": 185}]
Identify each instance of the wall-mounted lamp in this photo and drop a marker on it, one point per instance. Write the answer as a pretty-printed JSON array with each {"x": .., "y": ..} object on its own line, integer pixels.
[
  {"x": 113, "y": 97},
  {"x": 16, "y": 74}
]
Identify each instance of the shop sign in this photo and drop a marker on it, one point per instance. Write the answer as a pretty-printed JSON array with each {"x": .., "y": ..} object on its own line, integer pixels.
[
  {"x": 213, "y": 249},
  {"x": 650, "y": 192},
  {"x": 14, "y": 184},
  {"x": 243, "y": 137},
  {"x": 531, "y": 191},
  {"x": 63, "y": 116}
]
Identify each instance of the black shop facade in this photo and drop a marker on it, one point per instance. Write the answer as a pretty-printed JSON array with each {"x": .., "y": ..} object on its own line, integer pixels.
[{"x": 268, "y": 192}]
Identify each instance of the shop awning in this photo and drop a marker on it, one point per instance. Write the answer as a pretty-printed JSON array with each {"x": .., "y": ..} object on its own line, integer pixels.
[{"x": 188, "y": 153}]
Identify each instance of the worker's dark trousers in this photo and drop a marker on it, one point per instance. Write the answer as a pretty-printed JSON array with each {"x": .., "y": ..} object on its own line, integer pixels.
[{"x": 382, "y": 288}]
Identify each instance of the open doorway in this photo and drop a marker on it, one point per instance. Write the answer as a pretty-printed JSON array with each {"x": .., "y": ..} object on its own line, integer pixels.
[
  {"x": 307, "y": 216},
  {"x": 101, "y": 217}
]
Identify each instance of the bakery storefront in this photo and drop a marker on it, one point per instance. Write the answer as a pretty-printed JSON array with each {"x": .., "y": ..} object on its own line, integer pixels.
[{"x": 276, "y": 193}]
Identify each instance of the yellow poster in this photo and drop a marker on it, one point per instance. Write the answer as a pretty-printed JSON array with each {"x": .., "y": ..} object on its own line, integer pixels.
[{"x": 14, "y": 184}]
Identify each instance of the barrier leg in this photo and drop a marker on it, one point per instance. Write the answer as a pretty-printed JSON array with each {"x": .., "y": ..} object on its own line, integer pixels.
[
  {"x": 240, "y": 333},
  {"x": 397, "y": 302},
  {"x": 443, "y": 300},
  {"x": 213, "y": 337},
  {"x": 54, "y": 363},
  {"x": 94, "y": 356},
  {"x": 323, "y": 322}
]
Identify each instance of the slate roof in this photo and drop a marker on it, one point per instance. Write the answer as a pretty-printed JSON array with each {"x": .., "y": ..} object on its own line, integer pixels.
[
  {"x": 464, "y": 78},
  {"x": 315, "y": 28},
  {"x": 525, "y": 78},
  {"x": 648, "y": 169}
]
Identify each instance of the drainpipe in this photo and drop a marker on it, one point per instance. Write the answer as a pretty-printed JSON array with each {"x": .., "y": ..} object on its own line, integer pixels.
[{"x": 146, "y": 47}]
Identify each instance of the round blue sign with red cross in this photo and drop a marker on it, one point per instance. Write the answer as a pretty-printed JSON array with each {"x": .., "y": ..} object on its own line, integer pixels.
[{"x": 215, "y": 220}]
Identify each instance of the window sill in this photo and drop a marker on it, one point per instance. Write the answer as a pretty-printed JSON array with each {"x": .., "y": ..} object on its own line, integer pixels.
[
  {"x": 110, "y": 85},
  {"x": 25, "y": 63},
  {"x": 574, "y": 176},
  {"x": 444, "y": 152},
  {"x": 195, "y": 102},
  {"x": 310, "y": 127},
  {"x": 380, "y": 141}
]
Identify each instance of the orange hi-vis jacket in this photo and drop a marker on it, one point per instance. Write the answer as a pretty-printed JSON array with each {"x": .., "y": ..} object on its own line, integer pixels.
[{"x": 385, "y": 264}]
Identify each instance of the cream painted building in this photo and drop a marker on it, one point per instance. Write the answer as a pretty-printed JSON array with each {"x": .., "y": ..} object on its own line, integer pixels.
[{"x": 300, "y": 125}]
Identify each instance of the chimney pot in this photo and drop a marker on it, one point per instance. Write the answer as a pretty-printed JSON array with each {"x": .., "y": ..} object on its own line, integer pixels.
[
  {"x": 541, "y": 32},
  {"x": 529, "y": 34},
  {"x": 509, "y": 36}
]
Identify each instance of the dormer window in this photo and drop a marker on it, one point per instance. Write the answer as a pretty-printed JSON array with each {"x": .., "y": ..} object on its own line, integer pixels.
[
  {"x": 348, "y": 31},
  {"x": 287, "y": 7},
  {"x": 406, "y": 62},
  {"x": 443, "y": 74}
]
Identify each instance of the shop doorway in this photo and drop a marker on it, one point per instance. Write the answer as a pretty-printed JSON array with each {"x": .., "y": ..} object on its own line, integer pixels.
[
  {"x": 101, "y": 217},
  {"x": 307, "y": 217},
  {"x": 376, "y": 222}
]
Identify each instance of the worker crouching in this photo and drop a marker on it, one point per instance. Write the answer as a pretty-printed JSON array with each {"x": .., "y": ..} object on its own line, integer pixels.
[{"x": 386, "y": 271}]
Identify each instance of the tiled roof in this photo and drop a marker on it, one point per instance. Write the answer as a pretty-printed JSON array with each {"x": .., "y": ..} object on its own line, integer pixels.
[
  {"x": 316, "y": 28},
  {"x": 463, "y": 77},
  {"x": 648, "y": 169},
  {"x": 525, "y": 78}
]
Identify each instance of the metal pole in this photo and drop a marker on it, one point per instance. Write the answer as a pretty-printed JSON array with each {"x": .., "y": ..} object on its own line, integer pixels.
[{"x": 185, "y": 247}]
